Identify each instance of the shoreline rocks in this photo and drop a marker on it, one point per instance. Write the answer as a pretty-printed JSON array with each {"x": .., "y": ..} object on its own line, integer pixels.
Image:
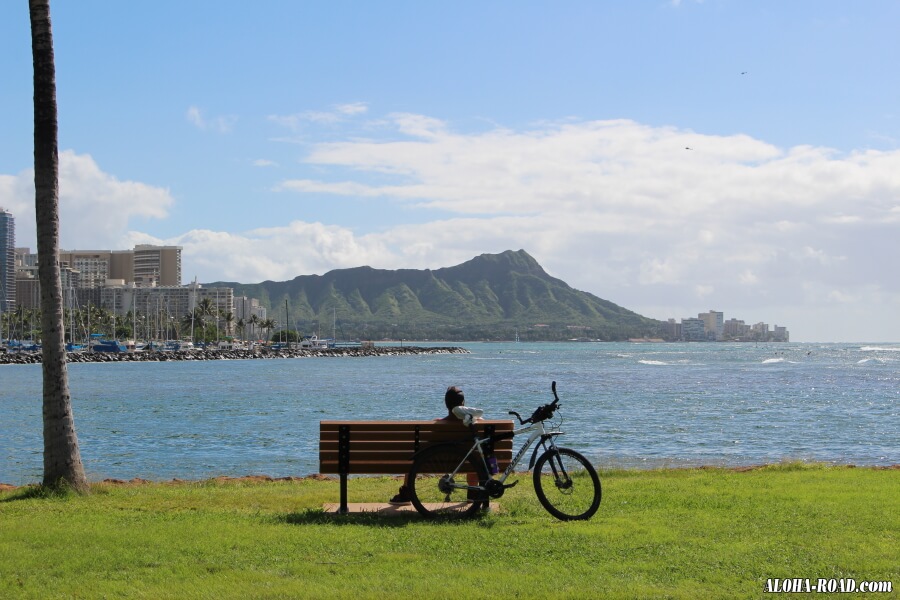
[{"x": 260, "y": 353}]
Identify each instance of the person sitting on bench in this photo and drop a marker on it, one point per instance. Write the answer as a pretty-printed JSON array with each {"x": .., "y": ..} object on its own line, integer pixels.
[{"x": 452, "y": 398}]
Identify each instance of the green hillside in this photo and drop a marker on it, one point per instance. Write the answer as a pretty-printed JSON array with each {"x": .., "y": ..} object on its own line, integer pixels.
[{"x": 490, "y": 297}]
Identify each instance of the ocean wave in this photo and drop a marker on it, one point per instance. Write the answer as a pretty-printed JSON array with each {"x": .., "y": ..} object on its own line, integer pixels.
[
  {"x": 880, "y": 349},
  {"x": 653, "y": 362},
  {"x": 878, "y": 360},
  {"x": 769, "y": 361}
]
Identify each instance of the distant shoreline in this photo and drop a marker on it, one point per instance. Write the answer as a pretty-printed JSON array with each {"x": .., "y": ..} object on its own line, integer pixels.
[{"x": 194, "y": 355}]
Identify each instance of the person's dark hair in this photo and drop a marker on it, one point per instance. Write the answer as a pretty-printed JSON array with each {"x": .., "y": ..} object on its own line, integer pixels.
[{"x": 454, "y": 397}]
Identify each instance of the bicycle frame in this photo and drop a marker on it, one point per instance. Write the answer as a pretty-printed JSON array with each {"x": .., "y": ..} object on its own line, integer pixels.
[
  {"x": 565, "y": 482},
  {"x": 537, "y": 431}
]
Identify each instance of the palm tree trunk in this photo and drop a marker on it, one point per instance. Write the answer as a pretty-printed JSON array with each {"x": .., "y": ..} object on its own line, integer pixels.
[{"x": 62, "y": 458}]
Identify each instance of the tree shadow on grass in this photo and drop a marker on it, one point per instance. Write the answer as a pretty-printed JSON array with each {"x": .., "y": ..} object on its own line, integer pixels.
[{"x": 39, "y": 492}]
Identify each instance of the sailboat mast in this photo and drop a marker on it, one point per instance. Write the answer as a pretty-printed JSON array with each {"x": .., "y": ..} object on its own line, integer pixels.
[
  {"x": 193, "y": 302},
  {"x": 134, "y": 315},
  {"x": 71, "y": 316}
]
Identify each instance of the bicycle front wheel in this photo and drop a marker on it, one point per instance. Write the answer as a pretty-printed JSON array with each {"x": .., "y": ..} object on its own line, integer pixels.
[
  {"x": 439, "y": 477},
  {"x": 567, "y": 484}
]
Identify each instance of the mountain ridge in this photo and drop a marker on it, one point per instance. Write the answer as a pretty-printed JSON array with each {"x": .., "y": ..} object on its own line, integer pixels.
[{"x": 492, "y": 296}]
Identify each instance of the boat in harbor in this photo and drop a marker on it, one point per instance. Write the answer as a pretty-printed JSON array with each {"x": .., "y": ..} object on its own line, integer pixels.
[
  {"x": 347, "y": 344},
  {"x": 13, "y": 346},
  {"x": 100, "y": 344},
  {"x": 312, "y": 342},
  {"x": 178, "y": 346}
]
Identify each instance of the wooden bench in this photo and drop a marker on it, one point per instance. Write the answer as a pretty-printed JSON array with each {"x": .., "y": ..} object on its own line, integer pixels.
[{"x": 387, "y": 447}]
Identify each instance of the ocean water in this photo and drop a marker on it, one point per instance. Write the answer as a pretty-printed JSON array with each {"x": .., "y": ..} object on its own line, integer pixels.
[{"x": 623, "y": 405}]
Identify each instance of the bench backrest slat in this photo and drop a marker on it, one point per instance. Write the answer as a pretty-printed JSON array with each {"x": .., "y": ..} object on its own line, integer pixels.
[{"x": 388, "y": 446}]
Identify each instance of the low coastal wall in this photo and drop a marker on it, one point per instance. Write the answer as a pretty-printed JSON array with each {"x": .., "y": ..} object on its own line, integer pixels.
[{"x": 262, "y": 353}]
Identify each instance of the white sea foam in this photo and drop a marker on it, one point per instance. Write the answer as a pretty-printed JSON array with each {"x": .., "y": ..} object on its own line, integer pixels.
[
  {"x": 769, "y": 361},
  {"x": 653, "y": 362},
  {"x": 878, "y": 360},
  {"x": 880, "y": 349}
]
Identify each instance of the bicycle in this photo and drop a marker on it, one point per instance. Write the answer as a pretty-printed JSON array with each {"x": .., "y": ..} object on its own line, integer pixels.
[{"x": 566, "y": 483}]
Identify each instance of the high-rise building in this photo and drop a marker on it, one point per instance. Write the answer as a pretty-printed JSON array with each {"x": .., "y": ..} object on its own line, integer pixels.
[
  {"x": 7, "y": 261},
  {"x": 693, "y": 330},
  {"x": 145, "y": 265},
  {"x": 780, "y": 334},
  {"x": 714, "y": 324},
  {"x": 157, "y": 265},
  {"x": 736, "y": 328},
  {"x": 245, "y": 308},
  {"x": 162, "y": 304}
]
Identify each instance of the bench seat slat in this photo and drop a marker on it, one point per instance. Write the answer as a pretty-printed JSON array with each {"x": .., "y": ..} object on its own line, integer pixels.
[
  {"x": 407, "y": 424},
  {"x": 394, "y": 456},
  {"x": 368, "y": 469},
  {"x": 407, "y": 445},
  {"x": 381, "y": 466}
]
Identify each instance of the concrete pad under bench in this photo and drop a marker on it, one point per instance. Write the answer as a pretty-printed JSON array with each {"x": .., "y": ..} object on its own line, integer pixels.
[{"x": 384, "y": 509}]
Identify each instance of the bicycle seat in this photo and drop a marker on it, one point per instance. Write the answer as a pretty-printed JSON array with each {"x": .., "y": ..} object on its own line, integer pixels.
[{"x": 467, "y": 414}]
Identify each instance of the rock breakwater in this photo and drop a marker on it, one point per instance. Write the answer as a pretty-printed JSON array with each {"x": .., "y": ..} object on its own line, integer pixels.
[{"x": 257, "y": 354}]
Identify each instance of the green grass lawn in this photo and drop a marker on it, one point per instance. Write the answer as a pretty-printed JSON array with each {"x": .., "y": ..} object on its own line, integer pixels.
[{"x": 706, "y": 533}]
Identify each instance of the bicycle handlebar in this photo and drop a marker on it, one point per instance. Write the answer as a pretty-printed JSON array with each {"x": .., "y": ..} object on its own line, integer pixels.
[{"x": 541, "y": 413}]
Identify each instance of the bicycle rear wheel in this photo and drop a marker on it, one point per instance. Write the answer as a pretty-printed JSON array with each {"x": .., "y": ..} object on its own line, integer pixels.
[
  {"x": 567, "y": 484},
  {"x": 435, "y": 476}
]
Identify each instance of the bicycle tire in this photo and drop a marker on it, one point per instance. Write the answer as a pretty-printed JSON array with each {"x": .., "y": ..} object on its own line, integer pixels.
[
  {"x": 429, "y": 468},
  {"x": 567, "y": 485}
]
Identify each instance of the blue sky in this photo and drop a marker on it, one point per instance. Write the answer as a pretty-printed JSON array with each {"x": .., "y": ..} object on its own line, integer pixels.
[{"x": 672, "y": 157}]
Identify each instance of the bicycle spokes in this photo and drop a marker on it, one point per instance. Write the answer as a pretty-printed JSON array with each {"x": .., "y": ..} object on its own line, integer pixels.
[
  {"x": 439, "y": 485},
  {"x": 575, "y": 489}
]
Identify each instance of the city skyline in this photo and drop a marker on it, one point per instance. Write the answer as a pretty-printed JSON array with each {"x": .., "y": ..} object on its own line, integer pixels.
[
  {"x": 664, "y": 156},
  {"x": 122, "y": 280}
]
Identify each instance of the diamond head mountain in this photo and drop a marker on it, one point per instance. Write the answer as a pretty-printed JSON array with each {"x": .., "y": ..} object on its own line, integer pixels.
[{"x": 491, "y": 297}]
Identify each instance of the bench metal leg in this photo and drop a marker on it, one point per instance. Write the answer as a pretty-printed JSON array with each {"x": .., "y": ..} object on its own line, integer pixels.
[
  {"x": 342, "y": 509},
  {"x": 343, "y": 464}
]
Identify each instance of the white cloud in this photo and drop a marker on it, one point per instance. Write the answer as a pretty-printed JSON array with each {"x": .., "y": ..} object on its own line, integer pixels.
[
  {"x": 657, "y": 270},
  {"x": 96, "y": 208},
  {"x": 842, "y": 297},
  {"x": 616, "y": 208},
  {"x": 221, "y": 124},
  {"x": 337, "y": 114},
  {"x": 344, "y": 188},
  {"x": 820, "y": 256},
  {"x": 194, "y": 117},
  {"x": 17, "y": 197},
  {"x": 748, "y": 277},
  {"x": 352, "y": 108},
  {"x": 702, "y": 291},
  {"x": 250, "y": 257}
]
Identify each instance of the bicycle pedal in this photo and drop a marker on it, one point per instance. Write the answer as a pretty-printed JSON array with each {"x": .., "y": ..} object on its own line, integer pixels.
[{"x": 509, "y": 485}]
